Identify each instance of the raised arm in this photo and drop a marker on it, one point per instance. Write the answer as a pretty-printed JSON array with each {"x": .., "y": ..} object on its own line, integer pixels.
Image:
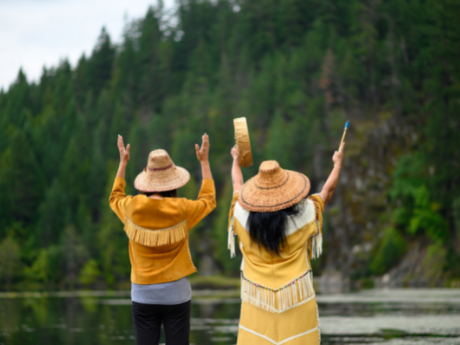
[
  {"x": 203, "y": 156},
  {"x": 237, "y": 175},
  {"x": 333, "y": 179},
  {"x": 118, "y": 199},
  {"x": 206, "y": 202},
  {"x": 124, "y": 157}
]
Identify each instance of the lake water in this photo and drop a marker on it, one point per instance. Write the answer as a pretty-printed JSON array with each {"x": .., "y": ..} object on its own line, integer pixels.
[{"x": 393, "y": 317}]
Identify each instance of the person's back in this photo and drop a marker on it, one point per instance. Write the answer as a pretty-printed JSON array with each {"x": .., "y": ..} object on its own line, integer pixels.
[
  {"x": 279, "y": 232},
  {"x": 277, "y": 281},
  {"x": 157, "y": 224},
  {"x": 158, "y": 231}
]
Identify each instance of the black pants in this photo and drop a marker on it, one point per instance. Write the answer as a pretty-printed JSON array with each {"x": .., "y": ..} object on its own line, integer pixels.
[{"x": 147, "y": 319}]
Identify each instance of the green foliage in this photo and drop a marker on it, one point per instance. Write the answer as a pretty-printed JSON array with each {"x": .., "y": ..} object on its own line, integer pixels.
[
  {"x": 220, "y": 235},
  {"x": 10, "y": 261},
  {"x": 417, "y": 212},
  {"x": 276, "y": 148},
  {"x": 456, "y": 214},
  {"x": 74, "y": 254},
  {"x": 54, "y": 213},
  {"x": 40, "y": 270},
  {"x": 297, "y": 69},
  {"x": 366, "y": 283},
  {"x": 214, "y": 283},
  {"x": 434, "y": 263},
  {"x": 392, "y": 248},
  {"x": 112, "y": 244},
  {"x": 21, "y": 182},
  {"x": 89, "y": 273}
]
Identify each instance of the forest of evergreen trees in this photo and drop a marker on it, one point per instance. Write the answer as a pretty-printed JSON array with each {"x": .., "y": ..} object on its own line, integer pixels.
[{"x": 297, "y": 70}]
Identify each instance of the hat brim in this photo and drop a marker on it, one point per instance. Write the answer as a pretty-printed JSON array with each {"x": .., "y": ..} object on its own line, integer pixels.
[
  {"x": 256, "y": 199},
  {"x": 147, "y": 183}
]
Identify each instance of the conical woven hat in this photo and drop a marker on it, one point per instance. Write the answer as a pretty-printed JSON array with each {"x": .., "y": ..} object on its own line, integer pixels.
[
  {"x": 161, "y": 174},
  {"x": 273, "y": 189}
]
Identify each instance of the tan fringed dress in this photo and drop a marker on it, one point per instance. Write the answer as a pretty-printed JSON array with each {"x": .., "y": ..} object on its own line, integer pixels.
[{"x": 279, "y": 305}]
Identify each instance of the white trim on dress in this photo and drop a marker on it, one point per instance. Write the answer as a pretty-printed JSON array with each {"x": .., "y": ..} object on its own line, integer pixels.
[
  {"x": 275, "y": 310},
  {"x": 294, "y": 223},
  {"x": 282, "y": 341}
]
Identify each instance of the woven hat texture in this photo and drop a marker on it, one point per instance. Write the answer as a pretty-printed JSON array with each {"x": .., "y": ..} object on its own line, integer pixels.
[
  {"x": 243, "y": 142},
  {"x": 161, "y": 174},
  {"x": 273, "y": 189}
]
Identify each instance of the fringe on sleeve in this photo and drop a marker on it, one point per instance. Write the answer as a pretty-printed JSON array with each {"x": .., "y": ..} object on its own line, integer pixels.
[
  {"x": 315, "y": 244},
  {"x": 231, "y": 228}
]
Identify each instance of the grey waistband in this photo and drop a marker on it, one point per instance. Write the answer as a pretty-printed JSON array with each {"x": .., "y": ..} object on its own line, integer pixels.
[{"x": 170, "y": 293}]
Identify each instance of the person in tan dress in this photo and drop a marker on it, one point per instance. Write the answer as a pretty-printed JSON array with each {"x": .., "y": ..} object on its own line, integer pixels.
[{"x": 278, "y": 230}]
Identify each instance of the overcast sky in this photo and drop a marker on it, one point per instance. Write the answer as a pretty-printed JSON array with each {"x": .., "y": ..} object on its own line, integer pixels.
[{"x": 37, "y": 33}]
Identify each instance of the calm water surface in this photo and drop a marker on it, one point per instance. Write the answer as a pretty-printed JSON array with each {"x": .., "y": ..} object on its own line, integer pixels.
[{"x": 393, "y": 317}]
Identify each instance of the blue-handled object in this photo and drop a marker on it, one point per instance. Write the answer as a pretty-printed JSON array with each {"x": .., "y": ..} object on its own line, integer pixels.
[{"x": 344, "y": 133}]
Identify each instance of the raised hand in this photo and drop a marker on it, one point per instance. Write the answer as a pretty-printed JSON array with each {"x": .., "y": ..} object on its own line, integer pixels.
[
  {"x": 124, "y": 152},
  {"x": 235, "y": 153},
  {"x": 237, "y": 175},
  {"x": 203, "y": 152},
  {"x": 338, "y": 156}
]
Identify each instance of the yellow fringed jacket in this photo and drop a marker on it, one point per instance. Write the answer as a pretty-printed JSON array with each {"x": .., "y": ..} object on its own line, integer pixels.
[
  {"x": 278, "y": 283},
  {"x": 158, "y": 231}
]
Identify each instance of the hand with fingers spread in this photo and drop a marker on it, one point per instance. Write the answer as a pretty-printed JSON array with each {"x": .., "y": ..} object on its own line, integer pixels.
[
  {"x": 202, "y": 155},
  {"x": 124, "y": 157},
  {"x": 203, "y": 152},
  {"x": 124, "y": 152}
]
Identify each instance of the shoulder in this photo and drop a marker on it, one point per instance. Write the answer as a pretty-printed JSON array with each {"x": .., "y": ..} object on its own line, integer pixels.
[
  {"x": 317, "y": 197},
  {"x": 306, "y": 216},
  {"x": 188, "y": 206},
  {"x": 143, "y": 202},
  {"x": 240, "y": 214},
  {"x": 318, "y": 201}
]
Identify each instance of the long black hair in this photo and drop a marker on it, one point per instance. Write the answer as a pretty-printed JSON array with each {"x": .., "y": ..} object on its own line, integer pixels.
[{"x": 268, "y": 229}]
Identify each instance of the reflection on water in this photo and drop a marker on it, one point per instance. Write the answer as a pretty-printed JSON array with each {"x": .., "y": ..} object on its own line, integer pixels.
[{"x": 394, "y": 317}]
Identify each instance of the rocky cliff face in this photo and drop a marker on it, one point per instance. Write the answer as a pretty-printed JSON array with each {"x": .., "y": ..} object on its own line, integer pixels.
[{"x": 360, "y": 209}]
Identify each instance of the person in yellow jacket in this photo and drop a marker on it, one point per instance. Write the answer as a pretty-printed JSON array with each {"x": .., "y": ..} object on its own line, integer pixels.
[
  {"x": 157, "y": 224},
  {"x": 279, "y": 231}
]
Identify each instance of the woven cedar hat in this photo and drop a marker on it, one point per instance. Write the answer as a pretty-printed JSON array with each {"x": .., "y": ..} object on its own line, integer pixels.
[
  {"x": 161, "y": 174},
  {"x": 273, "y": 189}
]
